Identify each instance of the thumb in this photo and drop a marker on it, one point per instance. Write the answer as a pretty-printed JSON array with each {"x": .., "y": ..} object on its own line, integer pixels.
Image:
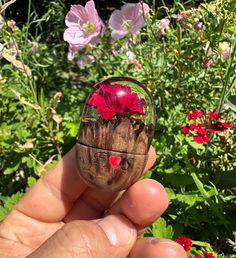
[{"x": 112, "y": 236}]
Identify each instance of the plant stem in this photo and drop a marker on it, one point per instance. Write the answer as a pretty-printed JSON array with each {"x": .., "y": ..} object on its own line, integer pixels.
[
  {"x": 227, "y": 77},
  {"x": 179, "y": 36},
  {"x": 205, "y": 194}
]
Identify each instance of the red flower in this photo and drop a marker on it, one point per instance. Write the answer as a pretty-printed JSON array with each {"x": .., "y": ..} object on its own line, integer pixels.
[
  {"x": 196, "y": 127},
  {"x": 198, "y": 256},
  {"x": 202, "y": 131},
  {"x": 201, "y": 138},
  {"x": 213, "y": 115},
  {"x": 185, "y": 242},
  {"x": 193, "y": 115},
  {"x": 111, "y": 100},
  {"x": 185, "y": 129},
  {"x": 219, "y": 127},
  {"x": 207, "y": 255}
]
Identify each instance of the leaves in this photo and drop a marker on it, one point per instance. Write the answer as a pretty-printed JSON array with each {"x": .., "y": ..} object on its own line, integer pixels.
[{"x": 161, "y": 230}]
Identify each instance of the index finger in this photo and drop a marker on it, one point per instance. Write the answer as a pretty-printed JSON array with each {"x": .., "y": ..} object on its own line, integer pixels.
[{"x": 52, "y": 197}]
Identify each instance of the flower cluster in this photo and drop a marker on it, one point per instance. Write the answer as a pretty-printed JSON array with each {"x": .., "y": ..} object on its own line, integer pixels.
[
  {"x": 111, "y": 100},
  {"x": 204, "y": 125},
  {"x": 85, "y": 26},
  {"x": 205, "y": 255},
  {"x": 186, "y": 243}
]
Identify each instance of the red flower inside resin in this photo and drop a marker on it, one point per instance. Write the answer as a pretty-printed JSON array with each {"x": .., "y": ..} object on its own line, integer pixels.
[
  {"x": 111, "y": 100},
  {"x": 185, "y": 242}
]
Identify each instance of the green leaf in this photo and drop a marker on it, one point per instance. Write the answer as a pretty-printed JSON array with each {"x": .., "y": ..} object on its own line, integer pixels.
[
  {"x": 9, "y": 203},
  {"x": 31, "y": 181},
  {"x": 3, "y": 213},
  {"x": 161, "y": 230},
  {"x": 231, "y": 102}
]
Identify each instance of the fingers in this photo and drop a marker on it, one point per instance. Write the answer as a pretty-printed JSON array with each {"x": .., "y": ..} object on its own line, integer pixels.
[
  {"x": 142, "y": 203},
  {"x": 54, "y": 195},
  {"x": 112, "y": 236},
  {"x": 156, "y": 248},
  {"x": 92, "y": 203}
]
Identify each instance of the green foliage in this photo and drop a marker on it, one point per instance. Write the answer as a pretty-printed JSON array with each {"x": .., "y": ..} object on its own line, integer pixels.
[
  {"x": 161, "y": 230},
  {"x": 9, "y": 203},
  {"x": 42, "y": 98}
]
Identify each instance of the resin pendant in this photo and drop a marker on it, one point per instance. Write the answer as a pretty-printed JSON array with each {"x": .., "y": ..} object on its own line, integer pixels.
[{"x": 115, "y": 134}]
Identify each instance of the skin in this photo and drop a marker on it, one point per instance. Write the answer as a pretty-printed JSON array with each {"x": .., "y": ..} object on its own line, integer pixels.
[{"x": 60, "y": 216}]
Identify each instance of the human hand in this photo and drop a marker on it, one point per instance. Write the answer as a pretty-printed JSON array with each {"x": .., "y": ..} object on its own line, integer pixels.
[{"x": 61, "y": 217}]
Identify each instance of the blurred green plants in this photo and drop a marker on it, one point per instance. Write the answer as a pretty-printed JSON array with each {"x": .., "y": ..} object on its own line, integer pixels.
[{"x": 184, "y": 66}]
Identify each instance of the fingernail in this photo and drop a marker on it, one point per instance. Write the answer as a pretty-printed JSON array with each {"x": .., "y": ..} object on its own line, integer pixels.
[{"x": 118, "y": 229}]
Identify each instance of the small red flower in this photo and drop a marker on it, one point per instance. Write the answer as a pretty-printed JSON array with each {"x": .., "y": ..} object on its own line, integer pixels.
[
  {"x": 201, "y": 138},
  {"x": 185, "y": 242},
  {"x": 193, "y": 115},
  {"x": 207, "y": 255},
  {"x": 196, "y": 127},
  {"x": 111, "y": 100},
  {"x": 213, "y": 115},
  {"x": 198, "y": 256},
  {"x": 202, "y": 131},
  {"x": 219, "y": 127},
  {"x": 185, "y": 129}
]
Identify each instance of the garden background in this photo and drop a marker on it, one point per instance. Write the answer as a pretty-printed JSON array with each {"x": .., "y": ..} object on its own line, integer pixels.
[{"x": 184, "y": 54}]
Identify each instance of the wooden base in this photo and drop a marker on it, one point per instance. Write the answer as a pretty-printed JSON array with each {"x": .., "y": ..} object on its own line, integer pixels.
[{"x": 96, "y": 170}]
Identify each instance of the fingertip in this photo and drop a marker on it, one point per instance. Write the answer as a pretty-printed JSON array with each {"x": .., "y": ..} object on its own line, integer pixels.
[
  {"x": 157, "y": 248},
  {"x": 151, "y": 158},
  {"x": 144, "y": 202}
]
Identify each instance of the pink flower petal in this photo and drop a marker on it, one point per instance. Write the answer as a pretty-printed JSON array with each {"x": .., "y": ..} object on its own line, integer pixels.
[
  {"x": 76, "y": 14},
  {"x": 92, "y": 14},
  {"x": 115, "y": 21}
]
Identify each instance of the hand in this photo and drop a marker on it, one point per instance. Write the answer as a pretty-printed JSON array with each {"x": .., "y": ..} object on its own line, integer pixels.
[{"x": 61, "y": 217}]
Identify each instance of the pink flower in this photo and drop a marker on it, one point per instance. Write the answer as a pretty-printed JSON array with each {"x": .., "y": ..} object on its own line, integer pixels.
[
  {"x": 162, "y": 26},
  {"x": 185, "y": 242},
  {"x": 225, "y": 50},
  {"x": 130, "y": 19},
  {"x": 198, "y": 25},
  {"x": 85, "y": 60},
  {"x": 84, "y": 26},
  {"x": 179, "y": 18},
  {"x": 193, "y": 115},
  {"x": 1, "y": 22},
  {"x": 208, "y": 62},
  {"x": 11, "y": 24},
  {"x": 110, "y": 100},
  {"x": 201, "y": 138},
  {"x": 198, "y": 256}
]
